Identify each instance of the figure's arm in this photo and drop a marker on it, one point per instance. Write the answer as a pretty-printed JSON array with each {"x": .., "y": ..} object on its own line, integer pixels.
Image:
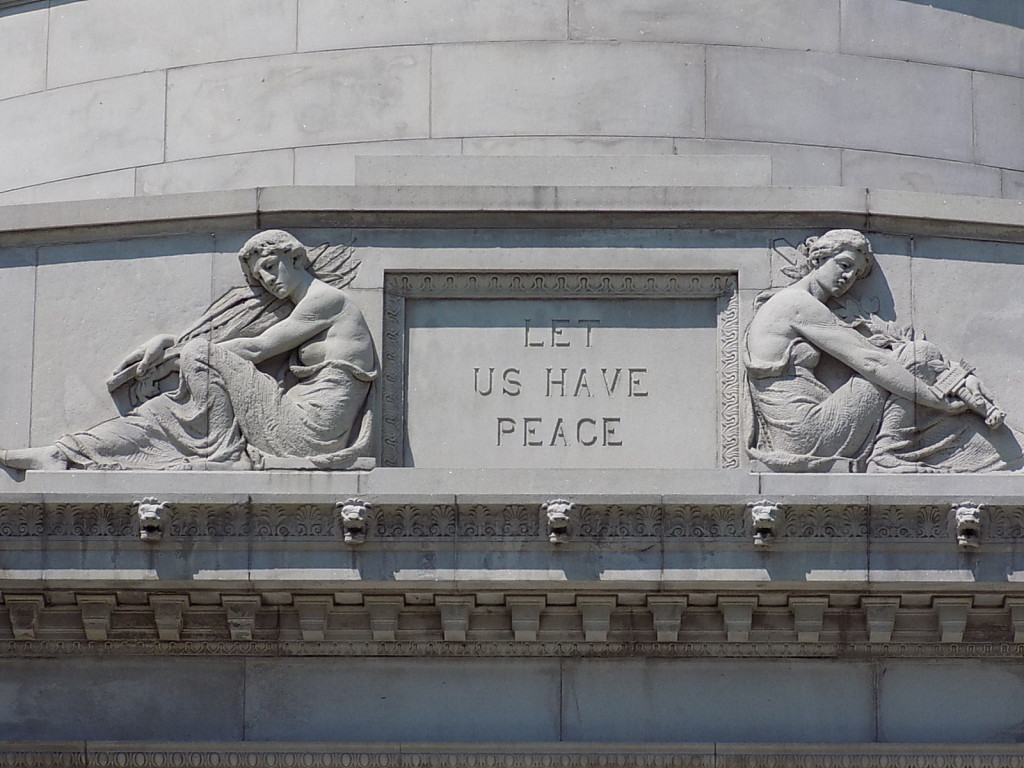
[
  {"x": 815, "y": 322},
  {"x": 305, "y": 322}
]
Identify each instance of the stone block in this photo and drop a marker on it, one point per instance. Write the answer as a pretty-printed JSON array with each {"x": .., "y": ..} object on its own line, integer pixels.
[
  {"x": 108, "y": 38},
  {"x": 325, "y": 24},
  {"x": 970, "y": 701},
  {"x": 881, "y": 170},
  {"x": 18, "y": 276},
  {"x": 251, "y": 169},
  {"x": 1013, "y": 185},
  {"x": 23, "y": 41},
  {"x": 334, "y": 164},
  {"x": 97, "y": 302},
  {"x": 576, "y": 171},
  {"x": 999, "y": 104},
  {"x": 800, "y": 24},
  {"x": 361, "y": 699},
  {"x": 299, "y": 100},
  {"x": 793, "y": 165},
  {"x": 943, "y": 33},
  {"x": 844, "y": 101},
  {"x": 104, "y": 125},
  {"x": 94, "y": 186},
  {"x": 153, "y": 698},
  {"x": 690, "y": 701},
  {"x": 567, "y": 145},
  {"x": 559, "y": 88}
]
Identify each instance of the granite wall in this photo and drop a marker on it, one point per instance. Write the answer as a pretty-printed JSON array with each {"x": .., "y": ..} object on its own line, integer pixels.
[{"x": 115, "y": 98}]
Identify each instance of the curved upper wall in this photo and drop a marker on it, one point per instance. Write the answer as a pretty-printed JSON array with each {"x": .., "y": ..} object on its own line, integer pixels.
[{"x": 112, "y": 98}]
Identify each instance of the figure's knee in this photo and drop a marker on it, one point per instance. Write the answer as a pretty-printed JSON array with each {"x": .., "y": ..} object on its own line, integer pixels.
[{"x": 195, "y": 354}]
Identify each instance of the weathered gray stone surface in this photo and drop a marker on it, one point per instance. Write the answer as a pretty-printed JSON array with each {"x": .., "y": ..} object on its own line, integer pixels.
[
  {"x": 19, "y": 280},
  {"x": 94, "y": 186},
  {"x": 817, "y": 98},
  {"x": 792, "y": 165},
  {"x": 602, "y": 89},
  {"x": 291, "y": 101},
  {"x": 525, "y": 170},
  {"x": 152, "y": 285},
  {"x": 362, "y": 23},
  {"x": 633, "y": 84},
  {"x": 92, "y": 41},
  {"x": 570, "y": 146},
  {"x": 1001, "y": 100},
  {"x": 698, "y": 701},
  {"x": 23, "y": 37},
  {"x": 403, "y": 700},
  {"x": 936, "y": 34},
  {"x": 940, "y": 269},
  {"x": 1013, "y": 185},
  {"x": 799, "y": 24},
  {"x": 123, "y": 699},
  {"x": 91, "y": 114},
  {"x": 433, "y": 700},
  {"x": 919, "y": 174},
  {"x": 335, "y": 164},
  {"x": 971, "y": 702}
]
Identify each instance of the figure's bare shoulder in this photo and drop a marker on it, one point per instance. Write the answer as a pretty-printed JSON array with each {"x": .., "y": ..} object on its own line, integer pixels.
[
  {"x": 799, "y": 307},
  {"x": 322, "y": 301}
]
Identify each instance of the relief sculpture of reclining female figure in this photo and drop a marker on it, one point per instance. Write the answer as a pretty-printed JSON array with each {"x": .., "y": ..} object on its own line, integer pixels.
[{"x": 275, "y": 375}]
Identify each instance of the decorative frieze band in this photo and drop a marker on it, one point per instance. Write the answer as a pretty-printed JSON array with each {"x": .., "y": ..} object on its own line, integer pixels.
[
  {"x": 384, "y": 522},
  {"x": 564, "y": 755}
]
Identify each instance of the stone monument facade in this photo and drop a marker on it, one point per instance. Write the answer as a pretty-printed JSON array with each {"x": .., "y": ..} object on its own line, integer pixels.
[{"x": 576, "y": 383}]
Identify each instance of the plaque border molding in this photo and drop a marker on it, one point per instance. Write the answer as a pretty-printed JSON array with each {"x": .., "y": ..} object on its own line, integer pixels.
[{"x": 402, "y": 286}]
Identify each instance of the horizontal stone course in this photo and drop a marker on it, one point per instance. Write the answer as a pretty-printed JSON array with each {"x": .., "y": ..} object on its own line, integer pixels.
[
  {"x": 335, "y": 164},
  {"x": 539, "y": 170},
  {"x": 919, "y": 174},
  {"x": 609, "y": 89},
  {"x": 45, "y": 133},
  {"x": 100, "y": 39},
  {"x": 950, "y": 34},
  {"x": 831, "y": 100},
  {"x": 90, "y": 187},
  {"x": 298, "y": 100},
  {"x": 798, "y": 24},
  {"x": 243, "y": 171},
  {"x": 328, "y": 24}
]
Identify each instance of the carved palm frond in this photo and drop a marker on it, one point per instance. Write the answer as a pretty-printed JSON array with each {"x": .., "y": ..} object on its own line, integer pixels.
[{"x": 334, "y": 264}]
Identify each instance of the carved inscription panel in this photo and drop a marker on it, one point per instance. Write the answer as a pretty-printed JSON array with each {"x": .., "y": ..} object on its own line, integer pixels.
[{"x": 559, "y": 378}]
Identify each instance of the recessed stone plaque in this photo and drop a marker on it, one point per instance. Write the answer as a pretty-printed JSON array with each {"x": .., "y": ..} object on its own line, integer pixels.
[{"x": 544, "y": 370}]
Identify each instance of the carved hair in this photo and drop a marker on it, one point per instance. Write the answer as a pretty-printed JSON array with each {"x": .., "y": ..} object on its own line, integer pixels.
[
  {"x": 272, "y": 241},
  {"x": 834, "y": 242}
]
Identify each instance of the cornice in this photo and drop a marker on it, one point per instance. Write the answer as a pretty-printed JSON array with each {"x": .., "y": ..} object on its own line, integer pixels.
[
  {"x": 512, "y": 207},
  {"x": 520, "y": 621}
]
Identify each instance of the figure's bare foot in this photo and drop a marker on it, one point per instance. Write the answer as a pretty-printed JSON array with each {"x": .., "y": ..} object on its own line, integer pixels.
[{"x": 48, "y": 458}]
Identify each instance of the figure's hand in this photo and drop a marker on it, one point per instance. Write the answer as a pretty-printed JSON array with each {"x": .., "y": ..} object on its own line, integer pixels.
[
  {"x": 950, "y": 404},
  {"x": 995, "y": 418},
  {"x": 146, "y": 356}
]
